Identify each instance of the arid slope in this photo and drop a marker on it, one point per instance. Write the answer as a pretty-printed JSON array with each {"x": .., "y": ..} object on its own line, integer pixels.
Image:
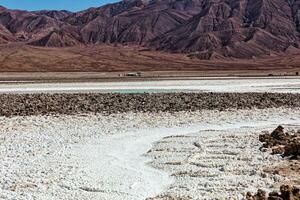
[{"x": 103, "y": 58}]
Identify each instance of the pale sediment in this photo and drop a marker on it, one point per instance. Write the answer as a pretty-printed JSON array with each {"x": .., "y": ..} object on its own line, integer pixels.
[
  {"x": 88, "y": 156},
  {"x": 214, "y": 164},
  {"x": 42, "y": 104},
  {"x": 85, "y": 156}
]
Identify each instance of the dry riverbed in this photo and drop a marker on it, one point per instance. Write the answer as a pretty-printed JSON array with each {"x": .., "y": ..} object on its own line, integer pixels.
[{"x": 201, "y": 154}]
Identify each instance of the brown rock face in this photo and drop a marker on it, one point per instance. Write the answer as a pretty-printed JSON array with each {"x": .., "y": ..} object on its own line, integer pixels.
[
  {"x": 205, "y": 29},
  {"x": 23, "y": 26},
  {"x": 287, "y": 144},
  {"x": 55, "y": 14},
  {"x": 287, "y": 192},
  {"x": 236, "y": 28},
  {"x": 293, "y": 148},
  {"x": 62, "y": 37},
  {"x": 134, "y": 22}
]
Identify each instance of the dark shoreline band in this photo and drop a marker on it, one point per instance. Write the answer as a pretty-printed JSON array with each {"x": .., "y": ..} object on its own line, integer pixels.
[{"x": 44, "y": 104}]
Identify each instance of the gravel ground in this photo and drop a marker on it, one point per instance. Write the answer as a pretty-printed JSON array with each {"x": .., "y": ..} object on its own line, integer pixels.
[
  {"x": 35, "y": 104},
  {"x": 95, "y": 156}
]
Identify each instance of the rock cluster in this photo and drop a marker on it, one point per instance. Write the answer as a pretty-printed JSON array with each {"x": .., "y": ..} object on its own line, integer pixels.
[
  {"x": 285, "y": 143},
  {"x": 42, "y": 104},
  {"x": 287, "y": 192},
  {"x": 288, "y": 145}
]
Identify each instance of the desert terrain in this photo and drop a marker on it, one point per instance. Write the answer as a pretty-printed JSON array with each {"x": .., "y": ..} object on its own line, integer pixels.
[
  {"x": 154, "y": 145},
  {"x": 190, "y": 155},
  {"x": 151, "y": 100},
  {"x": 104, "y": 63},
  {"x": 23, "y": 62}
]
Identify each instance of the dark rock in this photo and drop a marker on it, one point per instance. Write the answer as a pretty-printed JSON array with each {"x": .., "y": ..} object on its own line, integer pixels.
[
  {"x": 287, "y": 144},
  {"x": 293, "y": 148},
  {"x": 260, "y": 195},
  {"x": 287, "y": 192},
  {"x": 278, "y": 150},
  {"x": 278, "y": 133},
  {"x": 42, "y": 104}
]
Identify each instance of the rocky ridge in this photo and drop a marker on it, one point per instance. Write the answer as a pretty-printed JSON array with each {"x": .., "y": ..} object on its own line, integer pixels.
[{"x": 43, "y": 104}]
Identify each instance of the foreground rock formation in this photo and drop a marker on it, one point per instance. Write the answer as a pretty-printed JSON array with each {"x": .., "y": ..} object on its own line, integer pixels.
[
  {"x": 287, "y": 192},
  {"x": 204, "y": 29},
  {"x": 288, "y": 145},
  {"x": 37, "y": 104},
  {"x": 285, "y": 143}
]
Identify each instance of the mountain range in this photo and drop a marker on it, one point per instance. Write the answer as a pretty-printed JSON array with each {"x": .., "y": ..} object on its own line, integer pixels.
[{"x": 203, "y": 29}]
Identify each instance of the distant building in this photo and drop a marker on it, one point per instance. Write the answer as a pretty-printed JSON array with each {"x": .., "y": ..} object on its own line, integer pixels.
[{"x": 134, "y": 74}]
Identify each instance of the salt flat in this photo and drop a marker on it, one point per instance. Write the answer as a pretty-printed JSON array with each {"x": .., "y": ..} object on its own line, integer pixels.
[
  {"x": 255, "y": 84},
  {"x": 127, "y": 156}
]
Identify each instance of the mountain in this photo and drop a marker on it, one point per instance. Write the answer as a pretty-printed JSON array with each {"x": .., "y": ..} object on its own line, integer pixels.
[
  {"x": 23, "y": 26},
  {"x": 56, "y": 14},
  {"x": 233, "y": 28},
  {"x": 203, "y": 29},
  {"x": 134, "y": 21}
]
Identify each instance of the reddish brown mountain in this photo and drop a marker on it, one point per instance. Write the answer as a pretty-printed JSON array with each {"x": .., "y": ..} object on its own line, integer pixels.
[
  {"x": 60, "y": 14},
  {"x": 234, "y": 28},
  {"x": 26, "y": 26},
  {"x": 201, "y": 28},
  {"x": 132, "y": 21}
]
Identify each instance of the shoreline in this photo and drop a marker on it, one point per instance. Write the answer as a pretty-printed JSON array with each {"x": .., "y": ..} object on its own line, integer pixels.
[
  {"x": 82, "y": 77},
  {"x": 45, "y": 104},
  {"x": 133, "y": 86}
]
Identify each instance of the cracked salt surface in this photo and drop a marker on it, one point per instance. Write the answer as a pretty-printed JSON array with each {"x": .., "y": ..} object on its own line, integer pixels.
[
  {"x": 105, "y": 157},
  {"x": 208, "y": 84}
]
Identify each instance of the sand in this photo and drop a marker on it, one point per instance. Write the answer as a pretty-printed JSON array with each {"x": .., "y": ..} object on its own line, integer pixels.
[{"x": 127, "y": 156}]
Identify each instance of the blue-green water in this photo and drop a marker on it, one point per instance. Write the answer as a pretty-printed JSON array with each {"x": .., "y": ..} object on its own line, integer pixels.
[{"x": 142, "y": 91}]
